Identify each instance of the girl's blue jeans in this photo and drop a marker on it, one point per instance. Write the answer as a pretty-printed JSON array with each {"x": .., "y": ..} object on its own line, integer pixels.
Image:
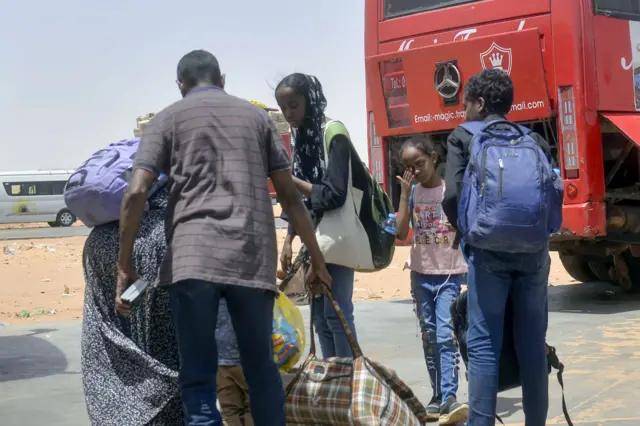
[{"x": 433, "y": 296}]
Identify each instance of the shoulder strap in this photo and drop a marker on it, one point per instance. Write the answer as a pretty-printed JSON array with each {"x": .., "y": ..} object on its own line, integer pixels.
[
  {"x": 554, "y": 361},
  {"x": 333, "y": 128},
  {"x": 552, "y": 356},
  {"x": 474, "y": 127}
]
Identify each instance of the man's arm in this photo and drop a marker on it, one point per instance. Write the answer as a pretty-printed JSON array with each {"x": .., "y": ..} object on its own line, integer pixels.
[
  {"x": 454, "y": 172},
  {"x": 131, "y": 213},
  {"x": 296, "y": 211},
  {"x": 151, "y": 160}
]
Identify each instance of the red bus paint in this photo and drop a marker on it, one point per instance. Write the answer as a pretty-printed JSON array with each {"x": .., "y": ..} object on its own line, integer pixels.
[
  {"x": 285, "y": 133},
  {"x": 576, "y": 71}
]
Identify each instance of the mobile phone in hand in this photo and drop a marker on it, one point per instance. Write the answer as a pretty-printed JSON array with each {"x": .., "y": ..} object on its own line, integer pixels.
[{"x": 135, "y": 293}]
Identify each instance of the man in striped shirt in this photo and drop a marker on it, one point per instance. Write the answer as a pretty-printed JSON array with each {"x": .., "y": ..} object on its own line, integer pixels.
[{"x": 218, "y": 151}]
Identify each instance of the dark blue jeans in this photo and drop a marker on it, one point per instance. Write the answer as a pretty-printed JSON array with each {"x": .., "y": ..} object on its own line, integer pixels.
[
  {"x": 434, "y": 295},
  {"x": 194, "y": 307},
  {"x": 333, "y": 340},
  {"x": 493, "y": 277}
]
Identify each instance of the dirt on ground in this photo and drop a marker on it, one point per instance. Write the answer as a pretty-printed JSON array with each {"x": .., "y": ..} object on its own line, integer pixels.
[{"x": 41, "y": 280}]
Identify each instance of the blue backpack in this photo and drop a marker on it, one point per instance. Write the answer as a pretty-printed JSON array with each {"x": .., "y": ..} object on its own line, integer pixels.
[{"x": 511, "y": 199}]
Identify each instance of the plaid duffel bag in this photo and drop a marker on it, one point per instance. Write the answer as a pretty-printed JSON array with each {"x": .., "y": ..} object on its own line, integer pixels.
[{"x": 349, "y": 391}]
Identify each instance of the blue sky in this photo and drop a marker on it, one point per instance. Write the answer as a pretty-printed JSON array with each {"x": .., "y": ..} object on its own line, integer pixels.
[{"x": 76, "y": 74}]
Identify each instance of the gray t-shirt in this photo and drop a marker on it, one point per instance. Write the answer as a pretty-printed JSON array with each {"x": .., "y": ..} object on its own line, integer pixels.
[{"x": 218, "y": 151}]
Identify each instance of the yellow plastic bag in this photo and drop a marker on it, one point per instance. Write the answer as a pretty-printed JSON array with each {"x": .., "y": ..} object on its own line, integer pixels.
[{"x": 288, "y": 333}]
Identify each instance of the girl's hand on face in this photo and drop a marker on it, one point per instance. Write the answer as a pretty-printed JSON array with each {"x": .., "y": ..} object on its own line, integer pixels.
[{"x": 405, "y": 181}]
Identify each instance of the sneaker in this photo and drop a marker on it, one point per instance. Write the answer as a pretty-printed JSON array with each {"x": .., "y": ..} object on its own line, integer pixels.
[
  {"x": 452, "y": 412},
  {"x": 433, "y": 409}
]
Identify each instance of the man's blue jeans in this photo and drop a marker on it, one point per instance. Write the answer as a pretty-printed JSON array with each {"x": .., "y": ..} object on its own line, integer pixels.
[
  {"x": 493, "y": 278},
  {"x": 333, "y": 340},
  {"x": 434, "y": 295},
  {"x": 194, "y": 307}
]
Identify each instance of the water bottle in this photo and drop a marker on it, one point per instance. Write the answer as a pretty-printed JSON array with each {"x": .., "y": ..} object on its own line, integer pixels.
[{"x": 390, "y": 225}]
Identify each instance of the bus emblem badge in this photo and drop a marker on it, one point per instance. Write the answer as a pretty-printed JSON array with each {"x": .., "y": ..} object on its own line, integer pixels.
[
  {"x": 447, "y": 80},
  {"x": 497, "y": 57}
]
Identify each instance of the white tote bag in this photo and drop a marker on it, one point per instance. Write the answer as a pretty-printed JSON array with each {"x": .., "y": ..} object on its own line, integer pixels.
[{"x": 340, "y": 234}]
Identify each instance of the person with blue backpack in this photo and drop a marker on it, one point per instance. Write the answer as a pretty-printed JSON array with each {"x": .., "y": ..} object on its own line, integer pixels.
[{"x": 506, "y": 199}]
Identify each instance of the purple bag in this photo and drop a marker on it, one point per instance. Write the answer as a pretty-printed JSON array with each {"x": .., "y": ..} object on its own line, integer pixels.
[{"x": 95, "y": 190}]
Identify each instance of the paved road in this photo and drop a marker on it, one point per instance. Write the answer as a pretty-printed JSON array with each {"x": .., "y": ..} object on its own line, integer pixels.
[
  {"x": 597, "y": 333},
  {"x": 72, "y": 231},
  {"x": 33, "y": 233}
]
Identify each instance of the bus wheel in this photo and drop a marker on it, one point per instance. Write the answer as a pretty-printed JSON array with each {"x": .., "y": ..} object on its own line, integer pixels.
[
  {"x": 601, "y": 268},
  {"x": 53, "y": 224},
  {"x": 577, "y": 267},
  {"x": 65, "y": 218}
]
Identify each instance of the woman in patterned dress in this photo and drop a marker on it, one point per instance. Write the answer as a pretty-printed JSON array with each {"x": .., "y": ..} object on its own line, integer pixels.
[{"x": 129, "y": 364}]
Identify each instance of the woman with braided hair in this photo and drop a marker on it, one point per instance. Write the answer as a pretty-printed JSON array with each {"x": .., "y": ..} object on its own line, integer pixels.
[{"x": 324, "y": 186}]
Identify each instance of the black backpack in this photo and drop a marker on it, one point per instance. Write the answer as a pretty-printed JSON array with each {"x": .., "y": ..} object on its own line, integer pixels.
[{"x": 509, "y": 370}]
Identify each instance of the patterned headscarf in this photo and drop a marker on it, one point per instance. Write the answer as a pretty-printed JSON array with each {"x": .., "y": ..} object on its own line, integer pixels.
[{"x": 308, "y": 150}]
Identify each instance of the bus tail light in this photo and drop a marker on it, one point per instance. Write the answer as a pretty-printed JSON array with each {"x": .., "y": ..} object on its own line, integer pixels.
[
  {"x": 394, "y": 86},
  {"x": 567, "y": 117},
  {"x": 375, "y": 148},
  {"x": 571, "y": 190}
]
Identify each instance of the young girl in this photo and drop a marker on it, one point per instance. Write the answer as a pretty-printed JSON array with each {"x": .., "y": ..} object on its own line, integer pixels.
[{"x": 437, "y": 272}]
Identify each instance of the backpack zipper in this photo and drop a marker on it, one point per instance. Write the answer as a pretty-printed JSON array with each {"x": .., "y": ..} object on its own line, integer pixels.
[{"x": 501, "y": 165}]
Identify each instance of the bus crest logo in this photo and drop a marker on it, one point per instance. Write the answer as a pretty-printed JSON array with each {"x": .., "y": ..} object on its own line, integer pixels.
[{"x": 497, "y": 57}]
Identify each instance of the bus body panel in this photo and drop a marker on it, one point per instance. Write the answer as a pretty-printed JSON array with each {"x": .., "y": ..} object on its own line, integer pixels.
[
  {"x": 422, "y": 109},
  {"x": 285, "y": 133},
  {"x": 617, "y": 46}
]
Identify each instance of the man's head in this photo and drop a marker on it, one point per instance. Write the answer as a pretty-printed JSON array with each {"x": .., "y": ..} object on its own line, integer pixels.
[
  {"x": 198, "y": 68},
  {"x": 488, "y": 92}
]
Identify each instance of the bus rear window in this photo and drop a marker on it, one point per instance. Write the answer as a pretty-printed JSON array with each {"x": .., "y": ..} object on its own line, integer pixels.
[{"x": 396, "y": 8}]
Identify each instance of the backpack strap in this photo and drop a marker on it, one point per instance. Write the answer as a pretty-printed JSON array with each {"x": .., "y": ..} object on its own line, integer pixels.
[
  {"x": 555, "y": 363},
  {"x": 333, "y": 128},
  {"x": 475, "y": 127}
]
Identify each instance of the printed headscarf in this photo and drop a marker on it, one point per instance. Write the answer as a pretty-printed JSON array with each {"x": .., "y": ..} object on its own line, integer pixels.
[{"x": 308, "y": 149}]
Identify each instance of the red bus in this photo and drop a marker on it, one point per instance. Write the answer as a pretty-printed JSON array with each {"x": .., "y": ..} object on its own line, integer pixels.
[{"x": 576, "y": 71}]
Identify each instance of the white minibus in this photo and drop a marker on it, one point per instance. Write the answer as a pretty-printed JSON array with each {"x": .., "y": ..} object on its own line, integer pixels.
[{"x": 35, "y": 196}]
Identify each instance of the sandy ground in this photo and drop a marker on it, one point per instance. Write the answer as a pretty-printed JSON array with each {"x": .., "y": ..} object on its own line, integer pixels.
[{"x": 41, "y": 280}]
